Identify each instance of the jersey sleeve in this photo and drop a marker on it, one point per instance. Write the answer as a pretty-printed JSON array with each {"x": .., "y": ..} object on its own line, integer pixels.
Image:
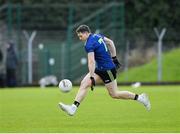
[{"x": 89, "y": 47}]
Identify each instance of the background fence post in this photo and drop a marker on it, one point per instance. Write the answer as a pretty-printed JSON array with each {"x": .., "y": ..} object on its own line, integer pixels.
[
  {"x": 160, "y": 37},
  {"x": 9, "y": 19},
  {"x": 69, "y": 43},
  {"x": 30, "y": 68}
]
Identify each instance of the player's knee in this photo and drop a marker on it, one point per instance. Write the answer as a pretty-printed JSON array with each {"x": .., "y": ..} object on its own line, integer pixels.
[
  {"x": 113, "y": 94},
  {"x": 84, "y": 84}
]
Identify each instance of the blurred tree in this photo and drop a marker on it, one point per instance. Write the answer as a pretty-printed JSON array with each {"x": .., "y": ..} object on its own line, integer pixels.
[
  {"x": 144, "y": 14},
  {"x": 152, "y": 13}
]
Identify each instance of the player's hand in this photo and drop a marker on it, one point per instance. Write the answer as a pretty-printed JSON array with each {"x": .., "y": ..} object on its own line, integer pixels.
[
  {"x": 93, "y": 83},
  {"x": 116, "y": 62}
]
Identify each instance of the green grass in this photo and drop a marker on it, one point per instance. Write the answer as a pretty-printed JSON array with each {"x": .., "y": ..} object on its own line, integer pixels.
[
  {"x": 36, "y": 110},
  {"x": 148, "y": 72}
]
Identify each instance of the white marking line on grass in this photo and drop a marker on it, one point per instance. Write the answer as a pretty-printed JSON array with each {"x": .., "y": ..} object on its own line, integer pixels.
[{"x": 90, "y": 133}]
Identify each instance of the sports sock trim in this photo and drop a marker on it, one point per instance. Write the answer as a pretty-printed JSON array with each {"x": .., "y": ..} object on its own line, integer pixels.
[
  {"x": 136, "y": 97},
  {"x": 76, "y": 103}
]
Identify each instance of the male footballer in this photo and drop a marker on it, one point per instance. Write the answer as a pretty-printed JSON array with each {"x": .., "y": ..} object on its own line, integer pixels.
[{"x": 102, "y": 65}]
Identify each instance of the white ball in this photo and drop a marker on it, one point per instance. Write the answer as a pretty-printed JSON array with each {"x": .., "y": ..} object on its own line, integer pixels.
[{"x": 65, "y": 85}]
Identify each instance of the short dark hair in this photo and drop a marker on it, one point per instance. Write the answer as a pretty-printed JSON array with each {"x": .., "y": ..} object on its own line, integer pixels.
[{"x": 82, "y": 29}]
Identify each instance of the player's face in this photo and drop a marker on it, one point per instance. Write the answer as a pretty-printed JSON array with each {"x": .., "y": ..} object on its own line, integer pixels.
[{"x": 82, "y": 36}]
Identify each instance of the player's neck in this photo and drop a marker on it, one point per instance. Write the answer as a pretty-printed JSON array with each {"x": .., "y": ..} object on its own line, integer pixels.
[{"x": 88, "y": 36}]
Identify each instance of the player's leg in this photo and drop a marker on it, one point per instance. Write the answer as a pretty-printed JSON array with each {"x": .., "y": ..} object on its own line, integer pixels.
[
  {"x": 84, "y": 86},
  {"x": 117, "y": 94},
  {"x": 82, "y": 92},
  {"x": 109, "y": 78}
]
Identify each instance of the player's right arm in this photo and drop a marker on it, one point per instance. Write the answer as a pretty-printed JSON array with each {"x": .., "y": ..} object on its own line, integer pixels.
[
  {"x": 111, "y": 46},
  {"x": 112, "y": 50}
]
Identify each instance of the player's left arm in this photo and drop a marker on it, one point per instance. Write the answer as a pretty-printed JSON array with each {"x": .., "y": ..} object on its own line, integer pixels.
[
  {"x": 91, "y": 66},
  {"x": 91, "y": 63},
  {"x": 111, "y": 46}
]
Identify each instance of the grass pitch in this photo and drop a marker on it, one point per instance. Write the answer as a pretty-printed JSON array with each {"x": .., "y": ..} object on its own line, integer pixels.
[{"x": 36, "y": 110}]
